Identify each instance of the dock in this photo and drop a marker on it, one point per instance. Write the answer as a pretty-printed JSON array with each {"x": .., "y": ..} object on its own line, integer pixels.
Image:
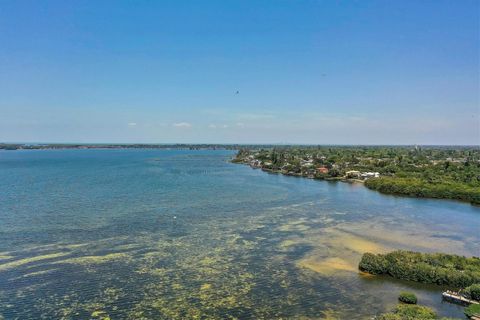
[{"x": 457, "y": 298}]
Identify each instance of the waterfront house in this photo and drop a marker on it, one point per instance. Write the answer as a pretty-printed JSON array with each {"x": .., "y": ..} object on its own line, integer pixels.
[
  {"x": 367, "y": 175},
  {"x": 322, "y": 170}
]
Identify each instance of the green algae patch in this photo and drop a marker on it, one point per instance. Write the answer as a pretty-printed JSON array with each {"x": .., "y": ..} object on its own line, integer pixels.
[
  {"x": 206, "y": 286},
  {"x": 195, "y": 286},
  {"x": 330, "y": 314},
  {"x": 100, "y": 315},
  {"x": 289, "y": 243},
  {"x": 88, "y": 260},
  {"x": 6, "y": 256},
  {"x": 154, "y": 272},
  {"x": 298, "y": 225},
  {"x": 25, "y": 261},
  {"x": 177, "y": 286},
  {"x": 53, "y": 246},
  {"x": 35, "y": 274}
]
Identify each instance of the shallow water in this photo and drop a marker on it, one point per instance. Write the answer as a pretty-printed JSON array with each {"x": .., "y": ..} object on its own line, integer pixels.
[{"x": 177, "y": 234}]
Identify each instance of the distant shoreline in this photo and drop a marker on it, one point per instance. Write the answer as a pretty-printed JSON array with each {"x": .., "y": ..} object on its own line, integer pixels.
[
  {"x": 13, "y": 146},
  {"x": 195, "y": 146}
]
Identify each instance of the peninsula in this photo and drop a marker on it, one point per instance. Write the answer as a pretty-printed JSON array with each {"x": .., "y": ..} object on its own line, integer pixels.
[{"x": 443, "y": 172}]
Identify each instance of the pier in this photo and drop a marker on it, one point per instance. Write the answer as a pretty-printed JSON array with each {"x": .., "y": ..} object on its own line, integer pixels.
[{"x": 457, "y": 298}]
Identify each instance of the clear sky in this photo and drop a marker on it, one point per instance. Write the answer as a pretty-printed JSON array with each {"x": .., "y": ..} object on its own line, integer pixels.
[{"x": 323, "y": 72}]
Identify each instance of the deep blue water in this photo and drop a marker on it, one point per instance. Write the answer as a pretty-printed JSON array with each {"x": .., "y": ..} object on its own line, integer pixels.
[{"x": 165, "y": 234}]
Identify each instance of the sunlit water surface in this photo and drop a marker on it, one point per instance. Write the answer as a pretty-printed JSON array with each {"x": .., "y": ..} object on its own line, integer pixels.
[{"x": 177, "y": 234}]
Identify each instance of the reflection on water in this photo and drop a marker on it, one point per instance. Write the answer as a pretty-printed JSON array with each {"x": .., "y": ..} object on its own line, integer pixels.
[{"x": 140, "y": 234}]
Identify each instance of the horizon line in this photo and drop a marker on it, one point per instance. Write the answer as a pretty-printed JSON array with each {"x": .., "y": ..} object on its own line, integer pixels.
[{"x": 232, "y": 144}]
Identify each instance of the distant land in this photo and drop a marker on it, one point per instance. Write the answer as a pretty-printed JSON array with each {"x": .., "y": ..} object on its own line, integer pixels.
[
  {"x": 36, "y": 146},
  {"x": 194, "y": 146}
]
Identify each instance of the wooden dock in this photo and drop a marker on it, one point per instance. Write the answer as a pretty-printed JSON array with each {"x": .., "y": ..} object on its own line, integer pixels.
[{"x": 457, "y": 298}]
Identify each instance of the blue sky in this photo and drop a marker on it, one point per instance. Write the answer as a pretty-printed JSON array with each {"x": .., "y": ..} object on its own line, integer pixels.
[{"x": 326, "y": 72}]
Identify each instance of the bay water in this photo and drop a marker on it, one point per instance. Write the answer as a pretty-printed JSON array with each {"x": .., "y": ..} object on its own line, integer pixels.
[{"x": 185, "y": 234}]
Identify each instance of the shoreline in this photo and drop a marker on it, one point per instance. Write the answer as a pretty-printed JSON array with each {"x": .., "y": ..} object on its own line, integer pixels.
[
  {"x": 348, "y": 180},
  {"x": 298, "y": 175}
]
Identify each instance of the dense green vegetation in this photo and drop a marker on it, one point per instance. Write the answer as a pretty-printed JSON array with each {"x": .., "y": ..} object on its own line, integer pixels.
[
  {"x": 442, "y": 269},
  {"x": 472, "y": 292},
  {"x": 407, "y": 297},
  {"x": 436, "y": 172},
  {"x": 409, "y": 312},
  {"x": 416, "y": 187},
  {"x": 471, "y": 310}
]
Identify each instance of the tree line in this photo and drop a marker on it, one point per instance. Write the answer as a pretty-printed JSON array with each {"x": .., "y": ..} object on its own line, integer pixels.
[{"x": 438, "y": 268}]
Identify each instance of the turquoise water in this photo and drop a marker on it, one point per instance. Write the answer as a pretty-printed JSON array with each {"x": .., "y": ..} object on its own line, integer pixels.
[{"x": 176, "y": 234}]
